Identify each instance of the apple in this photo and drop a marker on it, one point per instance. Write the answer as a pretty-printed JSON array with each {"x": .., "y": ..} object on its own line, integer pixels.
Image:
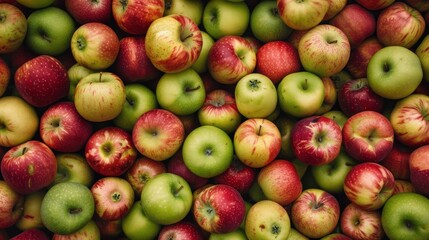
[
  {"x": 397, "y": 161},
  {"x": 42, "y": 81},
  {"x": 358, "y": 223},
  {"x": 400, "y": 25},
  {"x": 49, "y": 31},
  {"x": 330, "y": 98},
  {"x": 276, "y": 59},
  {"x": 422, "y": 52},
  {"x": 237, "y": 234},
  {"x": 110, "y": 151},
  {"x": 67, "y": 207},
  {"x": 33, "y": 233},
  {"x": 316, "y": 140},
  {"x": 184, "y": 229},
  {"x": 19, "y": 119},
  {"x": 419, "y": 169},
  {"x": 84, "y": 11},
  {"x": 266, "y": 24},
  {"x": 177, "y": 166},
  {"x": 207, "y": 151},
  {"x": 335, "y": 7},
  {"x": 238, "y": 175},
  {"x": 405, "y": 216},
  {"x": 89, "y": 231},
  {"x": 255, "y": 96},
  {"x": 369, "y": 185},
  {"x": 11, "y": 208},
  {"x": 109, "y": 229},
  {"x": 300, "y": 94},
  {"x": 95, "y": 45},
  {"x": 361, "y": 55},
  {"x": 315, "y": 213},
  {"x": 267, "y": 219},
  {"x": 14, "y": 25},
  {"x": 136, "y": 225},
  {"x": 200, "y": 65},
  {"x": 421, "y": 6},
  {"x": 300, "y": 15},
  {"x": 76, "y": 73},
  {"x": 73, "y": 167},
  {"x": 29, "y": 167},
  {"x": 191, "y": 8},
  {"x": 231, "y": 58},
  {"x": 142, "y": 170},
  {"x": 219, "y": 208},
  {"x": 337, "y": 115},
  {"x": 368, "y": 136},
  {"x": 166, "y": 199},
  {"x": 5, "y": 76},
  {"x": 135, "y": 16},
  {"x": 403, "y": 186},
  {"x": 257, "y": 142},
  {"x": 285, "y": 124},
  {"x": 280, "y": 182},
  {"x": 30, "y": 217},
  {"x": 37, "y": 4},
  {"x": 375, "y": 4},
  {"x": 325, "y": 44},
  {"x": 389, "y": 66},
  {"x": 100, "y": 97},
  {"x": 225, "y": 18},
  {"x": 158, "y": 134},
  {"x": 173, "y": 43}
]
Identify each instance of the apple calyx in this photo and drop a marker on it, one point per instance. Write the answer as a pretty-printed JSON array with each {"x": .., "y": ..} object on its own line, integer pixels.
[
  {"x": 124, "y": 4},
  {"x": 116, "y": 196},
  {"x": 81, "y": 43},
  {"x": 359, "y": 84}
]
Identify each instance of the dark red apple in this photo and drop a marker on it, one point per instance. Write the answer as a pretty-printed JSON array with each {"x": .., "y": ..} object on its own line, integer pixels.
[{"x": 238, "y": 175}]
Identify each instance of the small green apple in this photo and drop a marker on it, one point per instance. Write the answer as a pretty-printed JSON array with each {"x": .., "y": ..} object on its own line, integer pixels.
[
  {"x": 76, "y": 73},
  {"x": 136, "y": 225}
]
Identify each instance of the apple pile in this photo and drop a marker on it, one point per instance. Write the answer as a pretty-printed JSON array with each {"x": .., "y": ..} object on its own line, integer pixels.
[{"x": 214, "y": 119}]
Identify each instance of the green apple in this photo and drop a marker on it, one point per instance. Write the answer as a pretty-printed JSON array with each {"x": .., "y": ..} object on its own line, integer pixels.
[
  {"x": 394, "y": 72},
  {"x": 200, "y": 66},
  {"x": 223, "y": 17},
  {"x": 139, "y": 99},
  {"x": 166, "y": 198},
  {"x": 75, "y": 73},
  {"x": 301, "y": 94},
  {"x": 296, "y": 235},
  {"x": 285, "y": 124},
  {"x": 266, "y": 24},
  {"x": 31, "y": 215},
  {"x": 255, "y": 96},
  {"x": 255, "y": 192},
  {"x": 406, "y": 216},
  {"x": 182, "y": 93},
  {"x": 136, "y": 225},
  {"x": 193, "y": 9},
  {"x": 237, "y": 234},
  {"x": 35, "y": 4},
  {"x": 422, "y": 52},
  {"x": 14, "y": 28},
  {"x": 207, "y": 151},
  {"x": 73, "y": 167},
  {"x": 49, "y": 31},
  {"x": 67, "y": 207},
  {"x": 338, "y": 116}
]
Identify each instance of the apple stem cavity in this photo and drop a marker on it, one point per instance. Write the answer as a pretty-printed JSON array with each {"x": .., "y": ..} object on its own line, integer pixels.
[
  {"x": 192, "y": 89},
  {"x": 75, "y": 210},
  {"x": 305, "y": 84},
  {"x": 177, "y": 190},
  {"x": 386, "y": 67}
]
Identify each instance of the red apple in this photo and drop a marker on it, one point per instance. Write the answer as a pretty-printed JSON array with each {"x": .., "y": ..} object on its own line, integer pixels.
[
  {"x": 177, "y": 166},
  {"x": 397, "y": 161},
  {"x": 375, "y": 4},
  {"x": 85, "y": 11},
  {"x": 11, "y": 205},
  {"x": 34, "y": 233},
  {"x": 238, "y": 176},
  {"x": 5, "y": 76},
  {"x": 360, "y": 224},
  {"x": 360, "y": 56},
  {"x": 182, "y": 230},
  {"x": 403, "y": 186},
  {"x": 419, "y": 169},
  {"x": 142, "y": 170}
]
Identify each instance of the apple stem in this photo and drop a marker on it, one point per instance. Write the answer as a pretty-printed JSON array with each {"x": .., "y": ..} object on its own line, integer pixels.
[
  {"x": 24, "y": 150},
  {"x": 99, "y": 78},
  {"x": 187, "y": 36},
  {"x": 193, "y": 89},
  {"x": 75, "y": 210},
  {"x": 176, "y": 191},
  {"x": 259, "y": 129}
]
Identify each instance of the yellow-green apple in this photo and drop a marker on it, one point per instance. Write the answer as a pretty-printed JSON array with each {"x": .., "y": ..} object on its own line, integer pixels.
[
  {"x": 5, "y": 76},
  {"x": 113, "y": 197},
  {"x": 369, "y": 185},
  {"x": 316, "y": 140},
  {"x": 231, "y": 58},
  {"x": 335, "y": 6},
  {"x": 400, "y": 25},
  {"x": 207, "y": 151},
  {"x": 89, "y": 231},
  {"x": 338, "y": 116},
  {"x": 219, "y": 208},
  {"x": 224, "y": 18},
  {"x": 76, "y": 73},
  {"x": 422, "y": 52},
  {"x": 30, "y": 218},
  {"x": 29, "y": 167},
  {"x": 357, "y": 22},
  {"x": 276, "y": 59},
  {"x": 173, "y": 43},
  {"x": 63, "y": 129},
  {"x": 324, "y": 50},
  {"x": 360, "y": 56},
  {"x": 184, "y": 229},
  {"x": 176, "y": 165},
  {"x": 190, "y": 8},
  {"x": 302, "y": 15},
  {"x": 405, "y": 216},
  {"x": 136, "y": 225},
  {"x": 355, "y": 95},
  {"x": 266, "y": 24},
  {"x": 375, "y": 4},
  {"x": 220, "y": 110},
  {"x": 387, "y": 69},
  {"x": 368, "y": 136},
  {"x": 255, "y": 96},
  {"x": 315, "y": 213},
  {"x": 257, "y": 142},
  {"x": 181, "y": 93},
  {"x": 200, "y": 65},
  {"x": 238, "y": 175},
  {"x": 166, "y": 199},
  {"x": 35, "y": 4},
  {"x": 330, "y": 98},
  {"x": 84, "y": 11},
  {"x": 67, "y": 207},
  {"x": 280, "y": 182},
  {"x": 267, "y": 219},
  {"x": 139, "y": 99},
  {"x": 359, "y": 223},
  {"x": 285, "y": 124},
  {"x": 300, "y": 94},
  {"x": 134, "y": 17},
  {"x": 158, "y": 134},
  {"x": 419, "y": 169},
  {"x": 410, "y": 120},
  {"x": 397, "y": 161},
  {"x": 142, "y": 170},
  {"x": 49, "y": 31},
  {"x": 19, "y": 119},
  {"x": 110, "y": 151},
  {"x": 100, "y": 97},
  {"x": 95, "y": 45},
  {"x": 14, "y": 27},
  {"x": 11, "y": 208},
  {"x": 42, "y": 81},
  {"x": 403, "y": 186},
  {"x": 73, "y": 167},
  {"x": 34, "y": 233}
]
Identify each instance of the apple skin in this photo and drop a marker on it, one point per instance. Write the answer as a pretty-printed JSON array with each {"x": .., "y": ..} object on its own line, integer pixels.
[
  {"x": 177, "y": 166},
  {"x": 330, "y": 98},
  {"x": 190, "y": 8},
  {"x": 422, "y": 52},
  {"x": 75, "y": 73},
  {"x": 184, "y": 229},
  {"x": 90, "y": 231},
  {"x": 11, "y": 208},
  {"x": 137, "y": 225},
  {"x": 73, "y": 167},
  {"x": 302, "y": 15},
  {"x": 361, "y": 55},
  {"x": 375, "y": 4},
  {"x": 42, "y": 80},
  {"x": 200, "y": 65},
  {"x": 397, "y": 161},
  {"x": 238, "y": 176},
  {"x": 84, "y": 11},
  {"x": 403, "y": 186},
  {"x": 5, "y": 76},
  {"x": 14, "y": 23},
  {"x": 31, "y": 234},
  {"x": 336, "y": 236},
  {"x": 359, "y": 223},
  {"x": 142, "y": 170},
  {"x": 419, "y": 169},
  {"x": 285, "y": 124},
  {"x": 335, "y": 7},
  {"x": 29, "y": 167},
  {"x": 30, "y": 218}
]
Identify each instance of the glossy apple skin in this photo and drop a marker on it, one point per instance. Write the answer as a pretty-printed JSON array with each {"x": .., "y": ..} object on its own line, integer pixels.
[
  {"x": 359, "y": 223},
  {"x": 419, "y": 169},
  {"x": 142, "y": 170},
  {"x": 360, "y": 56},
  {"x": 397, "y": 161},
  {"x": 11, "y": 208},
  {"x": 84, "y": 11},
  {"x": 184, "y": 229},
  {"x": 31, "y": 234},
  {"x": 238, "y": 175},
  {"x": 177, "y": 166}
]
